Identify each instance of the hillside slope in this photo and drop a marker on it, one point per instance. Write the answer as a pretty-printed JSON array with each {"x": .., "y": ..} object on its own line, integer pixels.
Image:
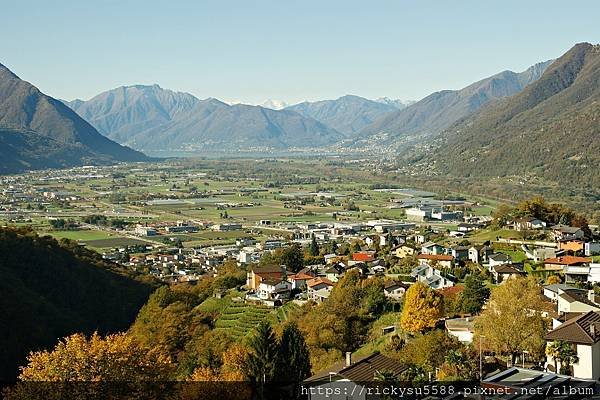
[
  {"x": 37, "y": 127},
  {"x": 438, "y": 111},
  {"x": 550, "y": 130},
  {"x": 51, "y": 290}
]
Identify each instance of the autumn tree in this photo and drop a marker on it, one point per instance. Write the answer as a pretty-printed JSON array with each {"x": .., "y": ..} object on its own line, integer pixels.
[
  {"x": 117, "y": 357},
  {"x": 342, "y": 321},
  {"x": 227, "y": 382},
  {"x": 422, "y": 308},
  {"x": 429, "y": 351},
  {"x": 474, "y": 295},
  {"x": 512, "y": 322},
  {"x": 167, "y": 321}
]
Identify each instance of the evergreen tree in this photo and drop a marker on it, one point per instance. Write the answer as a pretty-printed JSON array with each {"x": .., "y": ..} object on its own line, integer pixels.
[
  {"x": 293, "y": 258},
  {"x": 474, "y": 295},
  {"x": 314, "y": 246},
  {"x": 263, "y": 355},
  {"x": 293, "y": 362}
]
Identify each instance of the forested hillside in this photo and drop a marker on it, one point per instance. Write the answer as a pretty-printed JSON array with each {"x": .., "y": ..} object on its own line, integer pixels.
[{"x": 51, "y": 289}]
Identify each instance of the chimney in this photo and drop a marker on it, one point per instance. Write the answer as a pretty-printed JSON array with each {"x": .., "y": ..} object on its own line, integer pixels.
[
  {"x": 592, "y": 296},
  {"x": 348, "y": 358},
  {"x": 593, "y": 330}
]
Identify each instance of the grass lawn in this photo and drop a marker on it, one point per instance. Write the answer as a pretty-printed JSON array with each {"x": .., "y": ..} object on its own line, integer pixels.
[
  {"x": 83, "y": 236},
  {"x": 492, "y": 235}
]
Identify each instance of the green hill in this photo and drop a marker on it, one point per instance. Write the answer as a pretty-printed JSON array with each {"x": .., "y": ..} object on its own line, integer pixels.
[
  {"x": 549, "y": 131},
  {"x": 50, "y": 290}
]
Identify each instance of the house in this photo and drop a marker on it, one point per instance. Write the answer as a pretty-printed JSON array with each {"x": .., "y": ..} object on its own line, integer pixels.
[
  {"x": 257, "y": 274},
  {"x": 299, "y": 279},
  {"x": 395, "y": 290},
  {"x": 347, "y": 380},
  {"x": 527, "y": 224},
  {"x": 591, "y": 248},
  {"x": 521, "y": 383},
  {"x": 273, "y": 289},
  {"x": 559, "y": 263},
  {"x": 571, "y": 246},
  {"x": 498, "y": 259},
  {"x": 541, "y": 253},
  {"x": 334, "y": 272},
  {"x": 582, "y": 273},
  {"x": 460, "y": 252},
  {"x": 479, "y": 254},
  {"x": 467, "y": 227},
  {"x": 432, "y": 277},
  {"x": 583, "y": 334},
  {"x": 404, "y": 250},
  {"x": 363, "y": 256},
  {"x": 317, "y": 284},
  {"x": 564, "y": 232},
  {"x": 432, "y": 248},
  {"x": 502, "y": 273},
  {"x": 576, "y": 300},
  {"x": 553, "y": 291},
  {"x": 441, "y": 260},
  {"x": 461, "y": 328}
]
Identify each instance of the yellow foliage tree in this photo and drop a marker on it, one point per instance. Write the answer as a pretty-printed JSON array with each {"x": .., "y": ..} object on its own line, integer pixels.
[
  {"x": 512, "y": 321},
  {"x": 230, "y": 382},
  {"x": 115, "y": 358},
  {"x": 422, "y": 308},
  {"x": 115, "y": 367}
]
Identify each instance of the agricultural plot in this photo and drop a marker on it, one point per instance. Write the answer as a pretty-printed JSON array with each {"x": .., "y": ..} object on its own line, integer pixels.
[
  {"x": 113, "y": 242},
  {"x": 239, "y": 319}
]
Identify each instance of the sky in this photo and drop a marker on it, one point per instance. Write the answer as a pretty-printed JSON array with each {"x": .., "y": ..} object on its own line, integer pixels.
[{"x": 252, "y": 50}]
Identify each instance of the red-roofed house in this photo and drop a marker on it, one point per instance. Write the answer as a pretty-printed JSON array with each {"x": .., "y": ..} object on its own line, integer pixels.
[
  {"x": 363, "y": 256},
  {"x": 559, "y": 263},
  {"x": 442, "y": 260}
]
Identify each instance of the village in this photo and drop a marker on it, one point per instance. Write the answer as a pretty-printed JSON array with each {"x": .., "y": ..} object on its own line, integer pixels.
[{"x": 296, "y": 244}]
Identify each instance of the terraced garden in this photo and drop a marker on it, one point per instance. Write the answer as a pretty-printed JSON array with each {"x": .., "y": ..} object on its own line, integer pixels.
[{"x": 239, "y": 319}]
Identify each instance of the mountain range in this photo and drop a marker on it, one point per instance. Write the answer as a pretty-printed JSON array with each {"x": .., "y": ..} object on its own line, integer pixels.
[
  {"x": 550, "y": 130},
  {"x": 38, "y": 131},
  {"x": 347, "y": 114},
  {"x": 150, "y": 118},
  {"x": 153, "y": 119},
  {"x": 439, "y": 110}
]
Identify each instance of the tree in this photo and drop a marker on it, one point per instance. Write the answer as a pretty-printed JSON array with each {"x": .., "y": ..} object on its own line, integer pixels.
[
  {"x": 293, "y": 258},
  {"x": 474, "y": 295},
  {"x": 429, "y": 351},
  {"x": 293, "y": 359},
  {"x": 263, "y": 356},
  {"x": 512, "y": 322},
  {"x": 553, "y": 279},
  {"x": 422, "y": 308},
  {"x": 115, "y": 358},
  {"x": 563, "y": 352},
  {"x": 313, "y": 249}
]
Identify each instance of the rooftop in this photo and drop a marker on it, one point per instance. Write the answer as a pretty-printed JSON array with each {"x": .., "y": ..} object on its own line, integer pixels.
[
  {"x": 361, "y": 370},
  {"x": 584, "y": 329}
]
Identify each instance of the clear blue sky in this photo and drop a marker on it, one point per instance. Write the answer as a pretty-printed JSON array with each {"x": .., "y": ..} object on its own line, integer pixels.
[{"x": 291, "y": 50}]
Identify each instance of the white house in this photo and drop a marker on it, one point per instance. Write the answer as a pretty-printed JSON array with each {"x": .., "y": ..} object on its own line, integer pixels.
[
  {"x": 583, "y": 333},
  {"x": 576, "y": 300},
  {"x": 461, "y": 328},
  {"x": 273, "y": 289}
]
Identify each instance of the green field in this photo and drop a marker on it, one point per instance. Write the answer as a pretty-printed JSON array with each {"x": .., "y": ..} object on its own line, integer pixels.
[
  {"x": 239, "y": 319},
  {"x": 84, "y": 235}
]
